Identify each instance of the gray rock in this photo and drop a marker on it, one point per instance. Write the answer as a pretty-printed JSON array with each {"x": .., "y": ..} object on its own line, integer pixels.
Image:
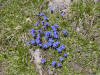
[
  {"x": 36, "y": 56},
  {"x": 59, "y": 5}
]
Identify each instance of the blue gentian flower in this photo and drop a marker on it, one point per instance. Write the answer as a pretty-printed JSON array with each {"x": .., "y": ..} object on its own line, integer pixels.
[
  {"x": 55, "y": 32},
  {"x": 28, "y": 42},
  {"x": 43, "y": 60},
  {"x": 54, "y": 44},
  {"x": 45, "y": 45},
  {"x": 53, "y": 28},
  {"x": 50, "y": 9},
  {"x": 32, "y": 30},
  {"x": 46, "y": 23},
  {"x": 50, "y": 40},
  {"x": 50, "y": 34},
  {"x": 58, "y": 42},
  {"x": 42, "y": 22},
  {"x": 46, "y": 34},
  {"x": 38, "y": 35},
  {"x": 40, "y": 45},
  {"x": 61, "y": 59},
  {"x": 43, "y": 27},
  {"x": 64, "y": 32},
  {"x": 50, "y": 44},
  {"x": 44, "y": 17},
  {"x": 58, "y": 49},
  {"x": 41, "y": 13},
  {"x": 40, "y": 31},
  {"x": 53, "y": 63},
  {"x": 65, "y": 55},
  {"x": 62, "y": 47},
  {"x": 58, "y": 65},
  {"x": 55, "y": 36},
  {"x": 32, "y": 41},
  {"x": 37, "y": 41},
  {"x": 56, "y": 25},
  {"x": 33, "y": 34},
  {"x": 62, "y": 14}
]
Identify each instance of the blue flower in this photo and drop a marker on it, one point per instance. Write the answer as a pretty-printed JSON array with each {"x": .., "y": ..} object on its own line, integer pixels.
[
  {"x": 56, "y": 25},
  {"x": 32, "y": 32},
  {"x": 46, "y": 34},
  {"x": 50, "y": 9},
  {"x": 37, "y": 41},
  {"x": 58, "y": 49},
  {"x": 43, "y": 27},
  {"x": 50, "y": 40},
  {"x": 53, "y": 28},
  {"x": 41, "y": 13},
  {"x": 56, "y": 44},
  {"x": 50, "y": 44},
  {"x": 50, "y": 34},
  {"x": 62, "y": 14},
  {"x": 46, "y": 23},
  {"x": 32, "y": 41},
  {"x": 62, "y": 47},
  {"x": 55, "y": 32},
  {"x": 38, "y": 36},
  {"x": 43, "y": 60},
  {"x": 58, "y": 65},
  {"x": 56, "y": 36},
  {"x": 53, "y": 63},
  {"x": 40, "y": 45},
  {"x": 44, "y": 17},
  {"x": 28, "y": 42},
  {"x": 40, "y": 31},
  {"x": 64, "y": 32},
  {"x": 42, "y": 22},
  {"x": 60, "y": 59},
  {"x": 45, "y": 45},
  {"x": 65, "y": 55}
]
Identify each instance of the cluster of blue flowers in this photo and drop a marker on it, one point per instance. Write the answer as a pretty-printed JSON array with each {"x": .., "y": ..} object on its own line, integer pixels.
[{"x": 51, "y": 37}]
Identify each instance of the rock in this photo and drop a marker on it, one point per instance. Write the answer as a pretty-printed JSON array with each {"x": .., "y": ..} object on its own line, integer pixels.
[
  {"x": 36, "y": 56},
  {"x": 28, "y": 20},
  {"x": 59, "y": 5}
]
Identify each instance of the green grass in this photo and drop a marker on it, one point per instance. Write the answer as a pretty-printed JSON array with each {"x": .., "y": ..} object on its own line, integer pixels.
[{"x": 82, "y": 46}]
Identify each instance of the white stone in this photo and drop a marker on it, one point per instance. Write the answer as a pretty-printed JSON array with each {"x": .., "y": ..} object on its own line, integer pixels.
[
  {"x": 58, "y": 5},
  {"x": 36, "y": 57}
]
